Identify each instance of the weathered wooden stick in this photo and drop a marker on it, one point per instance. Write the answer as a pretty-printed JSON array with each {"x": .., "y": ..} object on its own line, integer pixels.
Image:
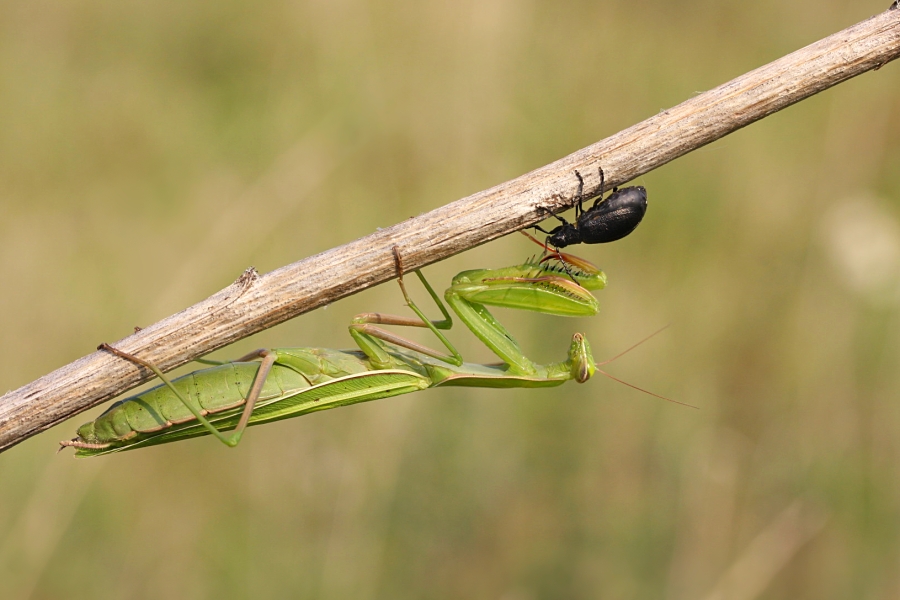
[{"x": 255, "y": 302}]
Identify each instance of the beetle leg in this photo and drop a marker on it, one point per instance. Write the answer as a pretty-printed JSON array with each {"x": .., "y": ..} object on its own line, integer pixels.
[
  {"x": 579, "y": 207},
  {"x": 602, "y": 187}
]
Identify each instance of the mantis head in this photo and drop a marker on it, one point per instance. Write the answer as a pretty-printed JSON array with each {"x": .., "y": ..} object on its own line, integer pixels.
[{"x": 581, "y": 360}]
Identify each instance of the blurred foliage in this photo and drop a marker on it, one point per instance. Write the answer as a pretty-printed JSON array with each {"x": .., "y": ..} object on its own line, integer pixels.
[{"x": 150, "y": 152}]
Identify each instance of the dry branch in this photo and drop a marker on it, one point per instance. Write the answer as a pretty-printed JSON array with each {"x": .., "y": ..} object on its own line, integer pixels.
[{"x": 255, "y": 302}]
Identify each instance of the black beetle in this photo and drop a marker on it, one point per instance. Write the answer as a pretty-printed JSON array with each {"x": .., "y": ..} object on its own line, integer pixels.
[{"x": 606, "y": 221}]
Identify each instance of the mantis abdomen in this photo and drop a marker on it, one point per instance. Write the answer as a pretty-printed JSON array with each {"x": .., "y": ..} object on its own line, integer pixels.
[{"x": 213, "y": 391}]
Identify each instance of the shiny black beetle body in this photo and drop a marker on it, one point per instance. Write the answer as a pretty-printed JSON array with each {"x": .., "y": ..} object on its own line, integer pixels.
[{"x": 606, "y": 221}]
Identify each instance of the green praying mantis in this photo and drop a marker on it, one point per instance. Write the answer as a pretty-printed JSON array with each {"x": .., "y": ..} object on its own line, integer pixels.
[{"x": 289, "y": 382}]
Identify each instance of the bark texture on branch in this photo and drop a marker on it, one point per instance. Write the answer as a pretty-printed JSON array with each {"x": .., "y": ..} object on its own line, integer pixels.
[{"x": 255, "y": 302}]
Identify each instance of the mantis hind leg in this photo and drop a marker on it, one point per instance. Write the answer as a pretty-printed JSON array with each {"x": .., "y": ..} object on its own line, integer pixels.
[{"x": 268, "y": 359}]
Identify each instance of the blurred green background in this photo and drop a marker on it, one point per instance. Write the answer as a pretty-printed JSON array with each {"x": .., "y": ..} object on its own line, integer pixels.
[{"x": 150, "y": 152}]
